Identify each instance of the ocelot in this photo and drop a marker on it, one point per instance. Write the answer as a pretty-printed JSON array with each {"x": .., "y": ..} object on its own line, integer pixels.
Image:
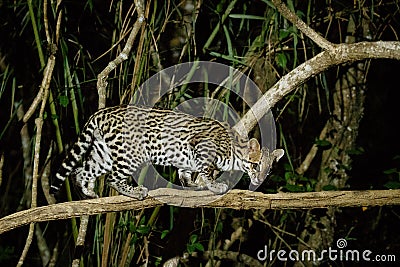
[{"x": 118, "y": 141}]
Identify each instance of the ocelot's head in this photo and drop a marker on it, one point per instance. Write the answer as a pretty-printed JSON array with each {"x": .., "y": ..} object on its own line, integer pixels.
[{"x": 259, "y": 162}]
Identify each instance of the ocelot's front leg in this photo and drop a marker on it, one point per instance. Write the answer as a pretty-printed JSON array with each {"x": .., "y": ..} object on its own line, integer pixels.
[
  {"x": 207, "y": 175},
  {"x": 205, "y": 156},
  {"x": 186, "y": 179},
  {"x": 118, "y": 180}
]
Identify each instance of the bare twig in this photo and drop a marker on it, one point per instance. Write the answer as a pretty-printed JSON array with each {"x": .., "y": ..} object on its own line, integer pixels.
[
  {"x": 235, "y": 199},
  {"x": 1, "y": 167},
  {"x": 41, "y": 97},
  {"x": 43, "y": 87},
  {"x": 44, "y": 251},
  {"x": 311, "y": 154},
  {"x": 39, "y": 127},
  {"x": 54, "y": 256},
  {"x": 28, "y": 243},
  {"x": 26, "y": 153},
  {"x": 80, "y": 241},
  {"x": 45, "y": 180},
  {"x": 102, "y": 77},
  {"x": 46, "y": 22},
  {"x": 302, "y": 26}
]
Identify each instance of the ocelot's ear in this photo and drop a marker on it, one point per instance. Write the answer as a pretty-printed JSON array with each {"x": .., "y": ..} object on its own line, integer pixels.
[
  {"x": 278, "y": 154},
  {"x": 254, "y": 150},
  {"x": 254, "y": 145}
]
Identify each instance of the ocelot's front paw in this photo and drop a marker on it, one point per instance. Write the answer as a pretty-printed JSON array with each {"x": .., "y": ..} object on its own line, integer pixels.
[
  {"x": 218, "y": 188},
  {"x": 140, "y": 192}
]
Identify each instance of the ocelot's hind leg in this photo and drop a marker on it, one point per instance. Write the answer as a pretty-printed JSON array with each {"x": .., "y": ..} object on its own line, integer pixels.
[
  {"x": 118, "y": 180},
  {"x": 98, "y": 164}
]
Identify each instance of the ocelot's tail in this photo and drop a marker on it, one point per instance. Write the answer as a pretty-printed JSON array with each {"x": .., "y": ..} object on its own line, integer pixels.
[{"x": 72, "y": 159}]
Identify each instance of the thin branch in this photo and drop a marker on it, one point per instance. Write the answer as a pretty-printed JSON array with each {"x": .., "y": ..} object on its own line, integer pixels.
[
  {"x": 311, "y": 154},
  {"x": 43, "y": 87},
  {"x": 35, "y": 175},
  {"x": 43, "y": 248},
  {"x": 303, "y": 27},
  {"x": 45, "y": 179},
  {"x": 102, "y": 77},
  {"x": 1, "y": 167},
  {"x": 28, "y": 243},
  {"x": 46, "y": 22},
  {"x": 235, "y": 199},
  {"x": 41, "y": 97},
  {"x": 80, "y": 241}
]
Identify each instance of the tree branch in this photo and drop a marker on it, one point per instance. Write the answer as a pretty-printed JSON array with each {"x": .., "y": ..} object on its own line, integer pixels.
[
  {"x": 235, "y": 199},
  {"x": 102, "y": 77},
  {"x": 342, "y": 53},
  {"x": 302, "y": 26}
]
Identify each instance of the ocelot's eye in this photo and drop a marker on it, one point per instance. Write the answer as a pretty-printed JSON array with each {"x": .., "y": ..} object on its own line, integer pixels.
[{"x": 255, "y": 167}]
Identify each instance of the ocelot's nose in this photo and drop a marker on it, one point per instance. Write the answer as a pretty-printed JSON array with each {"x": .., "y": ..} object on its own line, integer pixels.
[{"x": 252, "y": 187}]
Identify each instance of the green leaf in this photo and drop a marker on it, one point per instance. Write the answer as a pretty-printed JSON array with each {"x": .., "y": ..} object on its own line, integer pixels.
[
  {"x": 198, "y": 246},
  {"x": 287, "y": 167},
  {"x": 289, "y": 176},
  {"x": 276, "y": 178},
  {"x": 283, "y": 33},
  {"x": 227, "y": 57},
  {"x": 143, "y": 229},
  {"x": 132, "y": 227},
  {"x": 190, "y": 248},
  {"x": 269, "y": 3},
  {"x": 300, "y": 14},
  {"x": 220, "y": 227},
  {"x": 283, "y": 218},
  {"x": 164, "y": 234},
  {"x": 396, "y": 157},
  {"x": 281, "y": 60},
  {"x": 193, "y": 239},
  {"x": 324, "y": 144},
  {"x": 392, "y": 185},
  {"x": 303, "y": 179},
  {"x": 134, "y": 240},
  {"x": 391, "y": 171},
  {"x": 142, "y": 220},
  {"x": 64, "y": 101},
  {"x": 245, "y": 16}
]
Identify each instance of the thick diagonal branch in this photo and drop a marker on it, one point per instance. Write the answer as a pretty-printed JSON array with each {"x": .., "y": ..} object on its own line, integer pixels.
[{"x": 343, "y": 53}]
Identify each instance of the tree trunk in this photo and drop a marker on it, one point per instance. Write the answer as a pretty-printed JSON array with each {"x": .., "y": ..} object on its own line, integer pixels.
[{"x": 342, "y": 131}]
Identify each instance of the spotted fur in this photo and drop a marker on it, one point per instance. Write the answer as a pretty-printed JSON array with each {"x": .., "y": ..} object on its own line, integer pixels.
[{"x": 118, "y": 141}]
